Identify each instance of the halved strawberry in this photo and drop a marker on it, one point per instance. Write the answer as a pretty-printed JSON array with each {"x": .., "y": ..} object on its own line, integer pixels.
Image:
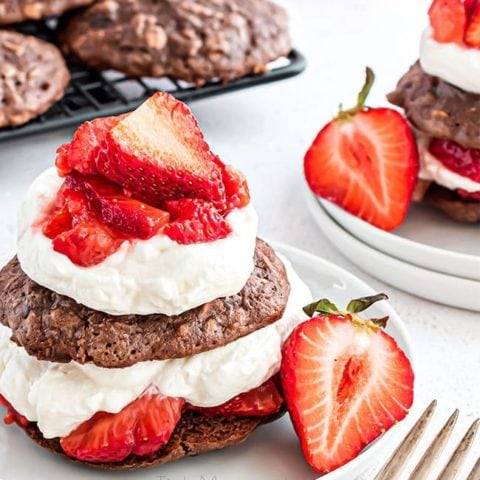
[
  {"x": 82, "y": 152},
  {"x": 262, "y": 401},
  {"x": 236, "y": 188},
  {"x": 12, "y": 415},
  {"x": 88, "y": 243},
  {"x": 366, "y": 161},
  {"x": 472, "y": 33},
  {"x": 448, "y": 19},
  {"x": 113, "y": 208},
  {"x": 345, "y": 382},
  {"x": 194, "y": 221},
  {"x": 158, "y": 153},
  {"x": 141, "y": 428}
]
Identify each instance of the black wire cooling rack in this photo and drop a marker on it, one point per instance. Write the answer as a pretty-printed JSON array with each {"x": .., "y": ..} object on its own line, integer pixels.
[{"x": 92, "y": 94}]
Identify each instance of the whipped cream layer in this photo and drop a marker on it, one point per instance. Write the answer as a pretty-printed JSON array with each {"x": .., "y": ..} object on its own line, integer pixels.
[
  {"x": 62, "y": 396},
  {"x": 454, "y": 63},
  {"x": 433, "y": 170},
  {"x": 144, "y": 276}
]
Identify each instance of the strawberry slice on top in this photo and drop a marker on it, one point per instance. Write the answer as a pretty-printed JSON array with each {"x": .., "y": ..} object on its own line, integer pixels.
[
  {"x": 158, "y": 153},
  {"x": 366, "y": 161},
  {"x": 345, "y": 382},
  {"x": 87, "y": 145}
]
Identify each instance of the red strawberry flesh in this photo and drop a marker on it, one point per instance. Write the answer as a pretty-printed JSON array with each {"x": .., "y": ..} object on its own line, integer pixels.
[
  {"x": 158, "y": 152},
  {"x": 141, "y": 428},
  {"x": 87, "y": 144},
  {"x": 448, "y": 20},
  {"x": 113, "y": 208},
  {"x": 463, "y": 161},
  {"x": 366, "y": 161},
  {"x": 194, "y": 221},
  {"x": 344, "y": 383},
  {"x": 261, "y": 401},
  {"x": 472, "y": 33}
]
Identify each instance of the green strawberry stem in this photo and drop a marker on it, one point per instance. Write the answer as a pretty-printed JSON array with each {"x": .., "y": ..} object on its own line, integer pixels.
[
  {"x": 362, "y": 96},
  {"x": 326, "y": 307}
]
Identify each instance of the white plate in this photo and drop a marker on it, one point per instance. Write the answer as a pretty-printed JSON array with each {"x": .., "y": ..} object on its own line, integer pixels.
[
  {"x": 438, "y": 287},
  {"x": 427, "y": 239},
  {"x": 271, "y": 453}
]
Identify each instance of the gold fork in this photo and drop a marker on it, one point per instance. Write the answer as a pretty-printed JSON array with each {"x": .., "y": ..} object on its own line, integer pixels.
[{"x": 395, "y": 466}]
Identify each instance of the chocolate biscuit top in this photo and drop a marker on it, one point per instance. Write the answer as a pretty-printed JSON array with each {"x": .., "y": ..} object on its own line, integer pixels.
[
  {"x": 195, "y": 41},
  {"x": 438, "y": 108},
  {"x": 54, "y": 327},
  {"x": 33, "y": 76}
]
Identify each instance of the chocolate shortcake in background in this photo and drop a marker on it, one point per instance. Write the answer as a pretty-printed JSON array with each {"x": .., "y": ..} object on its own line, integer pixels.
[
  {"x": 441, "y": 98},
  {"x": 196, "y": 41},
  {"x": 15, "y": 11},
  {"x": 142, "y": 320},
  {"x": 33, "y": 76}
]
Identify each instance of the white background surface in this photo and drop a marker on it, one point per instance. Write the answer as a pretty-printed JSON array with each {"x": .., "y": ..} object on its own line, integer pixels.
[{"x": 266, "y": 131}]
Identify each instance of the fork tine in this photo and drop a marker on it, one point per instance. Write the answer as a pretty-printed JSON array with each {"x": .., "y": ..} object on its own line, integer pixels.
[
  {"x": 455, "y": 462},
  {"x": 393, "y": 468},
  {"x": 475, "y": 473},
  {"x": 434, "y": 450}
]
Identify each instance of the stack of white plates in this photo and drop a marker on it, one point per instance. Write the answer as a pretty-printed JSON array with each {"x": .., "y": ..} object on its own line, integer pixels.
[{"x": 429, "y": 255}]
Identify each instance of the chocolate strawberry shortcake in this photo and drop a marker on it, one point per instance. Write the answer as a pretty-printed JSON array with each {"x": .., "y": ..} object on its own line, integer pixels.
[
  {"x": 142, "y": 320},
  {"x": 441, "y": 98}
]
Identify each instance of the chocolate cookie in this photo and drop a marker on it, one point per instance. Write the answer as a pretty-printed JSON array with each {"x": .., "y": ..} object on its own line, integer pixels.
[
  {"x": 455, "y": 206},
  {"x": 438, "y": 108},
  {"x": 33, "y": 76},
  {"x": 56, "y": 328},
  {"x": 195, "y": 41},
  {"x": 194, "y": 434},
  {"x": 14, "y": 11}
]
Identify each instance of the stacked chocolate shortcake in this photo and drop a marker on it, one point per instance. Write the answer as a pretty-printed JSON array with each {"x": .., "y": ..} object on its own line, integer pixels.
[
  {"x": 441, "y": 98},
  {"x": 142, "y": 320}
]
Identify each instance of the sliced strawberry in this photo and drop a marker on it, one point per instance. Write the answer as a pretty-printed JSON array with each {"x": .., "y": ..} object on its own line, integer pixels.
[
  {"x": 158, "y": 152},
  {"x": 88, "y": 243},
  {"x": 366, "y": 161},
  {"x": 259, "y": 402},
  {"x": 475, "y": 196},
  {"x": 195, "y": 221},
  {"x": 12, "y": 416},
  {"x": 236, "y": 187},
  {"x": 141, "y": 428},
  {"x": 448, "y": 20},
  {"x": 464, "y": 161},
  {"x": 82, "y": 152},
  {"x": 472, "y": 33},
  {"x": 345, "y": 382},
  {"x": 113, "y": 208}
]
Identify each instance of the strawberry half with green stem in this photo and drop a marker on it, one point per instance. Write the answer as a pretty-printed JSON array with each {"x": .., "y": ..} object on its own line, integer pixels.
[
  {"x": 366, "y": 161},
  {"x": 345, "y": 381},
  {"x": 448, "y": 19},
  {"x": 158, "y": 153},
  {"x": 141, "y": 428},
  {"x": 262, "y": 401}
]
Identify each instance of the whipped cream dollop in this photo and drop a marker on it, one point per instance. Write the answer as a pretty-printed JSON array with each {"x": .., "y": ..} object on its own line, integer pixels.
[
  {"x": 144, "y": 276},
  {"x": 433, "y": 170},
  {"x": 454, "y": 63},
  {"x": 62, "y": 396}
]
